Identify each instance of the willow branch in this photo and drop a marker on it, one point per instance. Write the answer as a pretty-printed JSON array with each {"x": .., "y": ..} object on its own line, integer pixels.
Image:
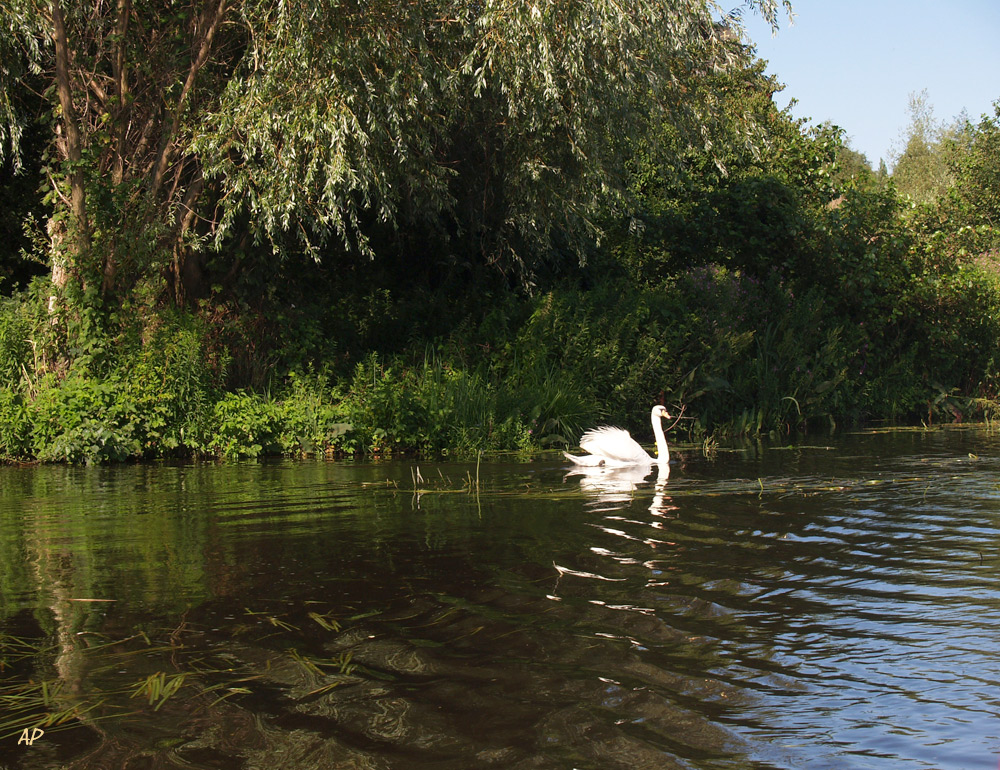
[{"x": 209, "y": 27}]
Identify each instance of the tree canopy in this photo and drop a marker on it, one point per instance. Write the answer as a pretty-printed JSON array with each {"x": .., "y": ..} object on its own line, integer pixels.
[{"x": 490, "y": 125}]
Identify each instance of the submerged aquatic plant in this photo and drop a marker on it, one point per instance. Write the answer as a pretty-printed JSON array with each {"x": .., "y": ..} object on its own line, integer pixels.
[{"x": 158, "y": 687}]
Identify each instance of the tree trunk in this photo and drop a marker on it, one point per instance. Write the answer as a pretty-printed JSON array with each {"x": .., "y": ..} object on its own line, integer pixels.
[{"x": 72, "y": 142}]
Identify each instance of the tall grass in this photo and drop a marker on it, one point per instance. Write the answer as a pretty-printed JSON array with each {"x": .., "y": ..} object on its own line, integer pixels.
[{"x": 441, "y": 405}]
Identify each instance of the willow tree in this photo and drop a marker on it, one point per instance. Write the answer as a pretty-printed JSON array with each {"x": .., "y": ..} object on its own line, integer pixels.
[
  {"x": 126, "y": 87},
  {"x": 178, "y": 125}
]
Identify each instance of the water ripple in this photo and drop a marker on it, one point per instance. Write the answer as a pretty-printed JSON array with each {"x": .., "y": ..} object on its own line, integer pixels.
[{"x": 869, "y": 603}]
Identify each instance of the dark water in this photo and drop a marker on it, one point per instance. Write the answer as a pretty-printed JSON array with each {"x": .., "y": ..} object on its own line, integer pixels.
[{"x": 832, "y": 605}]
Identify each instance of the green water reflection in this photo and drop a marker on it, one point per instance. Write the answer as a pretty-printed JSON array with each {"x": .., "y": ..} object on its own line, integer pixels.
[{"x": 822, "y": 605}]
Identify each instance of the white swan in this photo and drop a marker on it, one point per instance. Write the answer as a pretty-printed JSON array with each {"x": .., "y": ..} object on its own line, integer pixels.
[{"x": 615, "y": 448}]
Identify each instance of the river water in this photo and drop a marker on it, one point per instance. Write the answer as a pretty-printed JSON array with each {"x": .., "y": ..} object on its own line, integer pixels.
[{"x": 829, "y": 604}]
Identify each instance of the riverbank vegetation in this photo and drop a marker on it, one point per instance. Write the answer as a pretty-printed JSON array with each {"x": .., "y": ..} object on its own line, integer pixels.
[{"x": 236, "y": 229}]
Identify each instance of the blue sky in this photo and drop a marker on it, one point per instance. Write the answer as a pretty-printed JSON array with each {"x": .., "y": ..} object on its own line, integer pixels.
[{"x": 855, "y": 63}]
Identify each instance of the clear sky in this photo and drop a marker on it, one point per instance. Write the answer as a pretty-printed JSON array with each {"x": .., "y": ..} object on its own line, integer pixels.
[{"x": 855, "y": 63}]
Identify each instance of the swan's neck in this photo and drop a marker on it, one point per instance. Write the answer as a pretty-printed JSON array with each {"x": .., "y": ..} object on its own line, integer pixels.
[{"x": 662, "y": 450}]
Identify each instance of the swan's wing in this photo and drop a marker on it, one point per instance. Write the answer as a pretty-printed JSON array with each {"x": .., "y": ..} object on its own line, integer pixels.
[{"x": 615, "y": 446}]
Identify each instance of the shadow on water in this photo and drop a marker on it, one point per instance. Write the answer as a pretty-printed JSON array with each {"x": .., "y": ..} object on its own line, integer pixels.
[{"x": 807, "y": 606}]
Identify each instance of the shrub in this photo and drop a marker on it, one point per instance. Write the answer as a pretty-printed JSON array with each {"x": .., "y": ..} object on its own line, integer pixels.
[
  {"x": 73, "y": 420},
  {"x": 164, "y": 387},
  {"x": 15, "y": 425},
  {"x": 244, "y": 425},
  {"x": 90, "y": 441},
  {"x": 310, "y": 417},
  {"x": 15, "y": 343}
]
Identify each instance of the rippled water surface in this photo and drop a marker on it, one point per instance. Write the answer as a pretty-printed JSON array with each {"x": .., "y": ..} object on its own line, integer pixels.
[{"x": 830, "y": 605}]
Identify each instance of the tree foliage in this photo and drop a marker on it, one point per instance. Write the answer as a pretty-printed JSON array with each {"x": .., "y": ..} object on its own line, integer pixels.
[
  {"x": 963, "y": 223},
  {"x": 184, "y": 126},
  {"x": 921, "y": 169},
  {"x": 974, "y": 162}
]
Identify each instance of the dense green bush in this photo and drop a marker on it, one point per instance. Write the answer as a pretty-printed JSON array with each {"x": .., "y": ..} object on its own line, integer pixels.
[
  {"x": 244, "y": 425},
  {"x": 311, "y": 416},
  {"x": 439, "y": 405},
  {"x": 15, "y": 342},
  {"x": 73, "y": 419},
  {"x": 743, "y": 354},
  {"x": 15, "y": 425},
  {"x": 165, "y": 383}
]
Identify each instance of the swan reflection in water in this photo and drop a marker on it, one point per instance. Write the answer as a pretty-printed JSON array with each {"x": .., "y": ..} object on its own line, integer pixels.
[
  {"x": 614, "y": 485},
  {"x": 627, "y": 539},
  {"x": 613, "y": 491}
]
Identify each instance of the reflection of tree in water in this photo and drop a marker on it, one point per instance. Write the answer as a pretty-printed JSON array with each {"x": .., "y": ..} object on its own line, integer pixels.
[
  {"x": 426, "y": 655},
  {"x": 459, "y": 681}
]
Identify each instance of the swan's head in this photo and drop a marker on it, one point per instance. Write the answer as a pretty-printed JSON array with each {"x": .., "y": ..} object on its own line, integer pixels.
[{"x": 660, "y": 411}]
